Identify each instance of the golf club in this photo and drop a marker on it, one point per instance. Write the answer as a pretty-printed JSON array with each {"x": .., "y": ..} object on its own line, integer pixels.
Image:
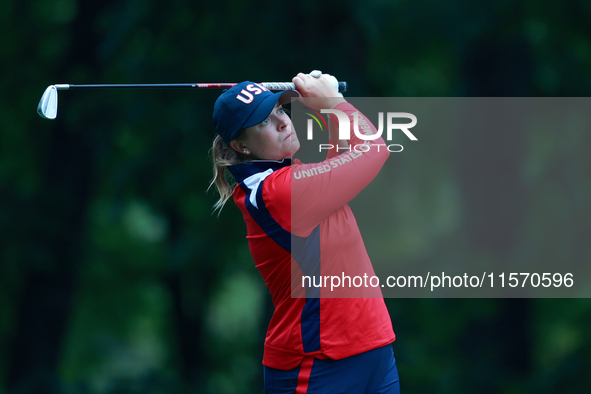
[{"x": 47, "y": 107}]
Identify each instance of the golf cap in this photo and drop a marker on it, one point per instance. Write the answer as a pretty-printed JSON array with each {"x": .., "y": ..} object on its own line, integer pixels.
[{"x": 244, "y": 105}]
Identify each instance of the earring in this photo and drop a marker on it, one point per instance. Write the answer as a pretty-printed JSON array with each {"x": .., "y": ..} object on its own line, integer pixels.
[{"x": 246, "y": 152}]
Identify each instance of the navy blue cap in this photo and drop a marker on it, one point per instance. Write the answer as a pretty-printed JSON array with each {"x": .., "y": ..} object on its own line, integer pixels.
[{"x": 244, "y": 105}]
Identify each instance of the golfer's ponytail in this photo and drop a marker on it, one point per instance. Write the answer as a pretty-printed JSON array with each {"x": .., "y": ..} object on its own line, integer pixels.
[{"x": 223, "y": 156}]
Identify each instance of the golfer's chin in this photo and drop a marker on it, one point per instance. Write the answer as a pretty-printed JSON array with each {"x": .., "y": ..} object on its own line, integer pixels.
[{"x": 295, "y": 146}]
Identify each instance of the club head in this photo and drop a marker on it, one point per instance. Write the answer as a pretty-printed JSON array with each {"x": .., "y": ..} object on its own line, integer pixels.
[{"x": 47, "y": 107}]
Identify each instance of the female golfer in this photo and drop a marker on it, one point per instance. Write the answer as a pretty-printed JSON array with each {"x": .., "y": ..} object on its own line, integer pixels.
[{"x": 298, "y": 222}]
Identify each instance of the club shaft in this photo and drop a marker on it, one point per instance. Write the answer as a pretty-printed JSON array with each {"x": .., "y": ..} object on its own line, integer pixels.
[
  {"x": 268, "y": 85},
  {"x": 147, "y": 85}
]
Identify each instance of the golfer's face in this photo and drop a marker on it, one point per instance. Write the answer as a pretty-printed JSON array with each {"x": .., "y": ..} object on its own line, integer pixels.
[{"x": 274, "y": 138}]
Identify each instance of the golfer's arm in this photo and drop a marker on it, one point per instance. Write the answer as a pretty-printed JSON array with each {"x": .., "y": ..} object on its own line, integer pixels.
[
  {"x": 319, "y": 189},
  {"x": 337, "y": 145}
]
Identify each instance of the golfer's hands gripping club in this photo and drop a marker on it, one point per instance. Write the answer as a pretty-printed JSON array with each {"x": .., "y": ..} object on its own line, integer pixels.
[{"x": 321, "y": 90}]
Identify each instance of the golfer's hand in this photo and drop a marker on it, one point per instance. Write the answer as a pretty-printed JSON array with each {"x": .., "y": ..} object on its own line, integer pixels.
[{"x": 318, "y": 93}]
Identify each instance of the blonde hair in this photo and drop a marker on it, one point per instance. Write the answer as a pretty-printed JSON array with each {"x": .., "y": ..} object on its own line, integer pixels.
[{"x": 223, "y": 156}]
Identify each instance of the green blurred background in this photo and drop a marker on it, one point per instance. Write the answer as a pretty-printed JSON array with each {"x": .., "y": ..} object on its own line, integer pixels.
[{"x": 115, "y": 277}]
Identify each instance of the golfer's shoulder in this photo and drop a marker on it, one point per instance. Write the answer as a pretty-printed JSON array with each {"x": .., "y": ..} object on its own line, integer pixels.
[
  {"x": 278, "y": 184},
  {"x": 282, "y": 177}
]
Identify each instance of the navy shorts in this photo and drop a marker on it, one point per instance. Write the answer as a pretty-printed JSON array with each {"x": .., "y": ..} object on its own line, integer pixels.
[{"x": 372, "y": 372}]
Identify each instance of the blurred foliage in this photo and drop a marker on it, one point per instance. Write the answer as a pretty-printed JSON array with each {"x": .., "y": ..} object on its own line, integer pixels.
[{"x": 115, "y": 277}]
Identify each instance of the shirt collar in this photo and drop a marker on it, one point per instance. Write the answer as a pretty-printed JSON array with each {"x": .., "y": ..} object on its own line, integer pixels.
[{"x": 242, "y": 171}]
